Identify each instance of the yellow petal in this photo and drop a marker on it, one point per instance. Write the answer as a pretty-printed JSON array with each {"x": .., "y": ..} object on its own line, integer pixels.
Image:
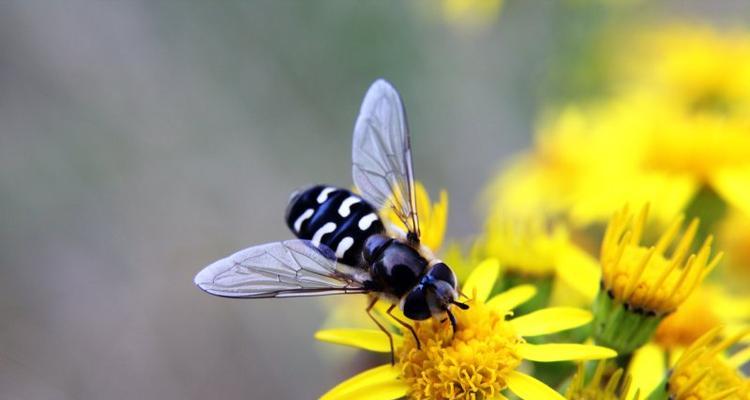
[
  {"x": 732, "y": 186},
  {"x": 550, "y": 320},
  {"x": 674, "y": 355},
  {"x": 432, "y": 217},
  {"x": 528, "y": 388},
  {"x": 579, "y": 270},
  {"x": 512, "y": 298},
  {"x": 432, "y": 235},
  {"x": 739, "y": 358},
  {"x": 647, "y": 368},
  {"x": 563, "y": 352},
  {"x": 367, "y": 339},
  {"x": 379, "y": 383},
  {"x": 482, "y": 279}
]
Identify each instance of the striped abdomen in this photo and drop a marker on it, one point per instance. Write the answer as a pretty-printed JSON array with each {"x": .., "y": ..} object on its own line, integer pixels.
[{"x": 334, "y": 217}]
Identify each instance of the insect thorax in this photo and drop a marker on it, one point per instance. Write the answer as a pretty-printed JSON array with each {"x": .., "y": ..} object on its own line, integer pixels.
[
  {"x": 395, "y": 267},
  {"x": 334, "y": 217}
]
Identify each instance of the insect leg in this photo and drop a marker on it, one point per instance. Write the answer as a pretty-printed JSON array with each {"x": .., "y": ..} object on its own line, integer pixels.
[
  {"x": 405, "y": 325},
  {"x": 382, "y": 328},
  {"x": 453, "y": 321}
]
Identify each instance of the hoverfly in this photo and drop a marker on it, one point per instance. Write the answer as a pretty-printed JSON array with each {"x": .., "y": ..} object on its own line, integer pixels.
[{"x": 343, "y": 245}]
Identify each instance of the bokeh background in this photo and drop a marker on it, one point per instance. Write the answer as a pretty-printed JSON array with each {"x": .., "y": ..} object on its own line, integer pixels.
[{"x": 139, "y": 141}]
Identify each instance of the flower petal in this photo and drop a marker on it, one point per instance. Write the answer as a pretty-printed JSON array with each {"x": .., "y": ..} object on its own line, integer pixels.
[
  {"x": 740, "y": 358},
  {"x": 529, "y": 388},
  {"x": 482, "y": 279},
  {"x": 732, "y": 186},
  {"x": 367, "y": 339},
  {"x": 647, "y": 368},
  {"x": 563, "y": 352},
  {"x": 579, "y": 270},
  {"x": 550, "y": 320},
  {"x": 432, "y": 235},
  {"x": 512, "y": 298},
  {"x": 379, "y": 383}
]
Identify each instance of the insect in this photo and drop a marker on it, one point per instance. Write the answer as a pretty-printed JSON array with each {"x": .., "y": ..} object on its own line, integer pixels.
[{"x": 342, "y": 245}]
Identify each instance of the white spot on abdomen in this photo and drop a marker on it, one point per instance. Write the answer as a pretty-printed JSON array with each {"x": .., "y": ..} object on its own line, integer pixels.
[
  {"x": 346, "y": 206},
  {"x": 302, "y": 218},
  {"x": 323, "y": 196},
  {"x": 343, "y": 246},
  {"x": 367, "y": 220},
  {"x": 324, "y": 230}
]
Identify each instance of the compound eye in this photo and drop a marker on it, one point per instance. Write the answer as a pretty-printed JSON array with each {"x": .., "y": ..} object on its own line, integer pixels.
[
  {"x": 442, "y": 272},
  {"x": 415, "y": 305}
]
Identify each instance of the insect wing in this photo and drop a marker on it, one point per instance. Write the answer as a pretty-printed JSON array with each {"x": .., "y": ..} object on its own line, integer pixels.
[
  {"x": 381, "y": 155},
  {"x": 293, "y": 268}
]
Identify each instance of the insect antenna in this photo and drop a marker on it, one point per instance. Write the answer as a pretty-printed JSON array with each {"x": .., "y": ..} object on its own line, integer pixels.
[
  {"x": 462, "y": 306},
  {"x": 453, "y": 321}
]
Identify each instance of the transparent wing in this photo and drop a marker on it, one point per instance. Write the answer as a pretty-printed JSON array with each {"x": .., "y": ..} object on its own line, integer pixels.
[
  {"x": 293, "y": 268},
  {"x": 381, "y": 155}
]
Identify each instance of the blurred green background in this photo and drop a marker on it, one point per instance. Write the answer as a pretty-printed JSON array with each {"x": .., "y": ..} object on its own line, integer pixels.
[{"x": 140, "y": 141}]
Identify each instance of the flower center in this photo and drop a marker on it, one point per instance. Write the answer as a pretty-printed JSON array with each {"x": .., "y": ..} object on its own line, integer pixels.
[{"x": 472, "y": 364}]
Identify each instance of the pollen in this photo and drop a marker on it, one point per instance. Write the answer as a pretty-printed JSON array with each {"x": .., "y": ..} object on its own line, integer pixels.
[
  {"x": 648, "y": 279},
  {"x": 472, "y": 364},
  {"x": 702, "y": 373}
]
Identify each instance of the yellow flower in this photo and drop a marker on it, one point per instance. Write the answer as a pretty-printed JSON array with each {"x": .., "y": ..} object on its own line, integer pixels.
[
  {"x": 709, "y": 307},
  {"x": 646, "y": 278},
  {"x": 679, "y": 124},
  {"x": 610, "y": 387},
  {"x": 482, "y": 359},
  {"x": 703, "y": 78},
  {"x": 642, "y": 285},
  {"x": 695, "y": 65},
  {"x": 587, "y": 161},
  {"x": 433, "y": 217},
  {"x": 697, "y": 145},
  {"x": 715, "y": 308},
  {"x": 525, "y": 248},
  {"x": 703, "y": 373},
  {"x": 531, "y": 252}
]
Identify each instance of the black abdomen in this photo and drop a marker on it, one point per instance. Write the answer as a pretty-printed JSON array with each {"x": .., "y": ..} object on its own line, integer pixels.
[{"x": 334, "y": 217}]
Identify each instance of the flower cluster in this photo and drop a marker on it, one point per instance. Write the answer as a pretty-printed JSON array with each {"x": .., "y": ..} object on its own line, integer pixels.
[
  {"x": 621, "y": 236},
  {"x": 479, "y": 360}
]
